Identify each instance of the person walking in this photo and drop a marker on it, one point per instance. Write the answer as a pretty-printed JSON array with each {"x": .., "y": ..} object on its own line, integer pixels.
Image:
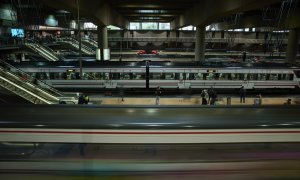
[
  {"x": 242, "y": 94},
  {"x": 158, "y": 94}
]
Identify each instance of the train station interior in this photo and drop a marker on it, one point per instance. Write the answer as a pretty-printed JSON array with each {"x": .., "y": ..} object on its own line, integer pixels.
[{"x": 149, "y": 89}]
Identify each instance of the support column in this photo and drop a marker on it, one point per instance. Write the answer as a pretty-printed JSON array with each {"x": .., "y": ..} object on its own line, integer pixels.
[
  {"x": 102, "y": 40},
  {"x": 172, "y": 35},
  {"x": 292, "y": 47},
  {"x": 200, "y": 44}
]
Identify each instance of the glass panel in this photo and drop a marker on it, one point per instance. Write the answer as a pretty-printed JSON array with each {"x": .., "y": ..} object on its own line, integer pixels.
[
  {"x": 164, "y": 26},
  {"x": 134, "y": 25},
  {"x": 150, "y": 25}
]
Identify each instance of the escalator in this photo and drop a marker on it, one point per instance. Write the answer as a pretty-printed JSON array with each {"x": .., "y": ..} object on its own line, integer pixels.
[
  {"x": 29, "y": 88},
  {"x": 90, "y": 43},
  {"x": 43, "y": 51},
  {"x": 74, "y": 44}
]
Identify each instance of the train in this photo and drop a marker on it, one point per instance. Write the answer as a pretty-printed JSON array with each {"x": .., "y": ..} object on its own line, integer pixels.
[
  {"x": 147, "y": 125},
  {"x": 154, "y": 141},
  {"x": 167, "y": 75}
]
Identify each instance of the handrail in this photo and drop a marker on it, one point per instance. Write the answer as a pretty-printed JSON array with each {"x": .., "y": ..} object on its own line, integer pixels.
[
  {"x": 40, "y": 52},
  {"x": 42, "y": 48},
  {"x": 39, "y": 83},
  {"x": 85, "y": 48}
]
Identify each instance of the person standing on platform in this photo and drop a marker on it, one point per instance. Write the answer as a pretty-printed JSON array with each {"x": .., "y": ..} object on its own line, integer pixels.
[
  {"x": 86, "y": 99},
  {"x": 242, "y": 94},
  {"x": 213, "y": 97},
  {"x": 122, "y": 93},
  {"x": 210, "y": 94},
  {"x": 81, "y": 99},
  {"x": 204, "y": 96},
  {"x": 244, "y": 56},
  {"x": 158, "y": 94}
]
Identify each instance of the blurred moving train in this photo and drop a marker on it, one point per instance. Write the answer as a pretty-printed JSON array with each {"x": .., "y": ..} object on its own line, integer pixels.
[
  {"x": 164, "y": 74},
  {"x": 160, "y": 142},
  {"x": 165, "y": 125}
]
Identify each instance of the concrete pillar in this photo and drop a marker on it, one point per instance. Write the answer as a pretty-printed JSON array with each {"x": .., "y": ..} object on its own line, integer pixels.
[
  {"x": 171, "y": 34},
  {"x": 132, "y": 36},
  {"x": 102, "y": 39},
  {"x": 292, "y": 46},
  {"x": 200, "y": 44}
]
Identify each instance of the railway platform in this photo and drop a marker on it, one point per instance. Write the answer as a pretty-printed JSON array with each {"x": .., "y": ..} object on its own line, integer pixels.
[{"x": 192, "y": 100}]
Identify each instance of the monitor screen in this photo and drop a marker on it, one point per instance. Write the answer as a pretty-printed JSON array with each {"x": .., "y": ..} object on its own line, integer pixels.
[{"x": 17, "y": 33}]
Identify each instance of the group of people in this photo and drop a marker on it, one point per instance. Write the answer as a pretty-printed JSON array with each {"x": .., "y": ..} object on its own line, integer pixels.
[{"x": 208, "y": 96}]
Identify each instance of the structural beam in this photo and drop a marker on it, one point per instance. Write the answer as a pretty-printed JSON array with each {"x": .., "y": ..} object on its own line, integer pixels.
[
  {"x": 200, "y": 44},
  {"x": 102, "y": 39},
  {"x": 292, "y": 47},
  {"x": 206, "y": 12}
]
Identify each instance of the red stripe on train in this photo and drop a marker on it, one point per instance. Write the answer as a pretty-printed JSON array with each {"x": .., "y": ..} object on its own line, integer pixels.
[{"x": 139, "y": 132}]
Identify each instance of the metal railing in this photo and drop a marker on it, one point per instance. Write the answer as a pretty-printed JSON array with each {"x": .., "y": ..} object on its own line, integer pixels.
[{"x": 189, "y": 39}]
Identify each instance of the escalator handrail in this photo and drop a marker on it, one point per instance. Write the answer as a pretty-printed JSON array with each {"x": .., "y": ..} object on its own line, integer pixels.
[
  {"x": 44, "y": 50},
  {"x": 50, "y": 51},
  {"x": 39, "y": 51},
  {"x": 39, "y": 82}
]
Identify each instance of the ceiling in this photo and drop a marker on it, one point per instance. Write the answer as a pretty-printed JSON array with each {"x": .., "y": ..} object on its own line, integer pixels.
[
  {"x": 178, "y": 12},
  {"x": 151, "y": 10}
]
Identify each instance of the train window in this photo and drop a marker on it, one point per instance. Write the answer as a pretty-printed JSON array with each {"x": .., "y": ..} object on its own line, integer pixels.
[
  {"x": 279, "y": 77},
  {"x": 99, "y": 76},
  {"x": 181, "y": 76},
  {"x": 255, "y": 77},
  {"x": 273, "y": 77},
  {"x": 155, "y": 76},
  {"x": 169, "y": 76},
  {"x": 217, "y": 76},
  {"x": 291, "y": 77},
  {"x": 222, "y": 76},
  {"x": 250, "y": 76},
  {"x": 187, "y": 76},
  {"x": 124, "y": 76},
  {"x": 70, "y": 74},
  {"x": 198, "y": 76},
  {"x": 114, "y": 76},
  {"x": 106, "y": 76},
  {"x": 204, "y": 76},
  {"x": 210, "y": 76},
  {"x": 192, "y": 76},
  {"x": 137, "y": 76},
  {"x": 242, "y": 77},
  {"x": 262, "y": 77}
]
